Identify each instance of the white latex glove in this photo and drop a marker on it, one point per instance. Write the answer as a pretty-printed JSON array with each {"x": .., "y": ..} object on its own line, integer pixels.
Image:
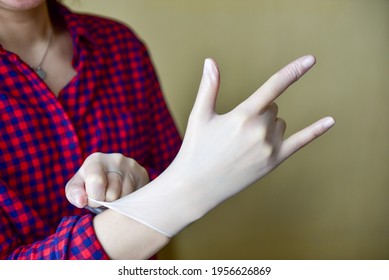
[
  {"x": 105, "y": 177},
  {"x": 221, "y": 154}
]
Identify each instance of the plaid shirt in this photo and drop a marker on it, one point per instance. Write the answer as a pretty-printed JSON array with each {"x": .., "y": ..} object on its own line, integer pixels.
[{"x": 114, "y": 104}]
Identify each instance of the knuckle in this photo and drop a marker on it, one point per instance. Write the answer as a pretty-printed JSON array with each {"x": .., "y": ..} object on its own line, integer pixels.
[
  {"x": 117, "y": 158},
  {"x": 136, "y": 171},
  {"x": 238, "y": 119},
  {"x": 92, "y": 158},
  {"x": 145, "y": 174},
  {"x": 281, "y": 123},
  {"x": 293, "y": 71},
  {"x": 316, "y": 132},
  {"x": 140, "y": 171},
  {"x": 260, "y": 133},
  {"x": 95, "y": 155},
  {"x": 272, "y": 110},
  {"x": 95, "y": 180},
  {"x": 296, "y": 144},
  {"x": 267, "y": 150},
  {"x": 132, "y": 162}
]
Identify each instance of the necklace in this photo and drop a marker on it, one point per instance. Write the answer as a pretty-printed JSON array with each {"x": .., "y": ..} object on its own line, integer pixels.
[{"x": 38, "y": 69}]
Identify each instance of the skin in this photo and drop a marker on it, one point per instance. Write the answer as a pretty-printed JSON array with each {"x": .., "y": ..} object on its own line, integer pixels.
[
  {"x": 25, "y": 30},
  {"x": 93, "y": 179}
]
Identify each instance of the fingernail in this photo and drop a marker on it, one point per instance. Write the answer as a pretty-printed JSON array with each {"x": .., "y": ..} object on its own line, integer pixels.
[
  {"x": 207, "y": 65},
  {"x": 308, "y": 61},
  {"x": 211, "y": 70},
  {"x": 328, "y": 122}
]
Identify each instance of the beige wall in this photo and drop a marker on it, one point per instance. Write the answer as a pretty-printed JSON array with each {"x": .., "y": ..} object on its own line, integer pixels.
[{"x": 330, "y": 201}]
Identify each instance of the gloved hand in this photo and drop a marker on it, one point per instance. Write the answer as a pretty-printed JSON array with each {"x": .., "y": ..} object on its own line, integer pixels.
[
  {"x": 105, "y": 177},
  {"x": 221, "y": 154}
]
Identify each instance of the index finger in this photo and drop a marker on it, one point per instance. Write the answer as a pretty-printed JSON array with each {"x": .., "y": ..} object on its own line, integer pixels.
[{"x": 277, "y": 84}]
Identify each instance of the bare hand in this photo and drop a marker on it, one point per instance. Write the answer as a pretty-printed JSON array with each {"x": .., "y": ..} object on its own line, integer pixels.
[{"x": 105, "y": 177}]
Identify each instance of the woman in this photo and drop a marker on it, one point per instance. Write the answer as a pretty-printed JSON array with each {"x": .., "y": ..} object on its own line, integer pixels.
[
  {"x": 221, "y": 154},
  {"x": 70, "y": 85}
]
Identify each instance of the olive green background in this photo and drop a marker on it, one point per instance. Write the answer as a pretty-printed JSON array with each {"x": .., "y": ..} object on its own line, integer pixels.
[{"x": 329, "y": 201}]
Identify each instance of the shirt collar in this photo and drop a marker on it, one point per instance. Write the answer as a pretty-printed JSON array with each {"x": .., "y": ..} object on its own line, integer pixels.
[{"x": 76, "y": 26}]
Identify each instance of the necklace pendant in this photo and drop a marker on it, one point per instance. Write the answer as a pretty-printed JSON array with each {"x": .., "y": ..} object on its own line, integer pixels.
[{"x": 40, "y": 72}]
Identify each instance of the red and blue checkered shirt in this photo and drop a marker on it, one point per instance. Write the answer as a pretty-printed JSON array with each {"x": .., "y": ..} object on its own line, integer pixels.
[{"x": 113, "y": 104}]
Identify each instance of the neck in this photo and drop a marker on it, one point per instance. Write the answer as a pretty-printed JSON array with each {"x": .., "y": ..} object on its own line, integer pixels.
[{"x": 24, "y": 29}]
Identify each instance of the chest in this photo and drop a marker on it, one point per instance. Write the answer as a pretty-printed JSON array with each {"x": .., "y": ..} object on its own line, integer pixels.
[{"x": 44, "y": 138}]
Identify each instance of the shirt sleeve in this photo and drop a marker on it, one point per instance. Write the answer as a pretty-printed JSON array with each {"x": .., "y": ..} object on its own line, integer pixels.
[{"x": 73, "y": 239}]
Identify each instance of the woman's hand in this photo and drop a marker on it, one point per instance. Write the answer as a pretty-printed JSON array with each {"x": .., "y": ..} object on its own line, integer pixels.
[
  {"x": 105, "y": 177},
  {"x": 221, "y": 154},
  {"x": 233, "y": 150}
]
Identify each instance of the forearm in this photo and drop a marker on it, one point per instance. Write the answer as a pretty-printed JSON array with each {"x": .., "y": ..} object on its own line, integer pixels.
[{"x": 125, "y": 238}]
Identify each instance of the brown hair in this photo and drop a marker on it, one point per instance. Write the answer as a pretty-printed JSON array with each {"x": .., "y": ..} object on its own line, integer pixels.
[{"x": 55, "y": 15}]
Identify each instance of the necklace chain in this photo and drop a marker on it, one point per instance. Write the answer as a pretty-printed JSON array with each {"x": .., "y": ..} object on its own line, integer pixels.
[{"x": 38, "y": 69}]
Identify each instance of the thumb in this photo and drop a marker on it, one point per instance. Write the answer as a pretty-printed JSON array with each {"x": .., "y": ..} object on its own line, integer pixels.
[
  {"x": 75, "y": 191},
  {"x": 209, "y": 87}
]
